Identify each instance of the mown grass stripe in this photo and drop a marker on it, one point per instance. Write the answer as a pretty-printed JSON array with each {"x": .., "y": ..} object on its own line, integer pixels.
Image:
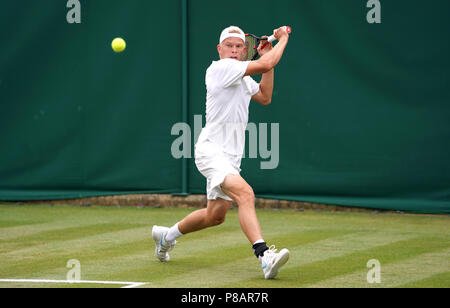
[
  {"x": 213, "y": 270},
  {"x": 319, "y": 253},
  {"x": 192, "y": 253},
  {"x": 4, "y": 224},
  {"x": 398, "y": 273},
  {"x": 96, "y": 249},
  {"x": 78, "y": 244},
  {"x": 441, "y": 280},
  {"x": 417, "y": 268},
  {"x": 53, "y": 266},
  {"x": 41, "y": 258},
  {"x": 24, "y": 230},
  {"x": 103, "y": 251},
  {"x": 54, "y": 218},
  {"x": 66, "y": 234},
  {"x": 313, "y": 273}
]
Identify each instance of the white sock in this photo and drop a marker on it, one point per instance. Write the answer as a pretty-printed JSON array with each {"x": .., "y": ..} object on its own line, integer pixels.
[
  {"x": 173, "y": 233},
  {"x": 258, "y": 241}
]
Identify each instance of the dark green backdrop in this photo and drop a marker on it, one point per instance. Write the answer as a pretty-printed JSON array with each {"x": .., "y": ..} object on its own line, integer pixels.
[{"x": 363, "y": 109}]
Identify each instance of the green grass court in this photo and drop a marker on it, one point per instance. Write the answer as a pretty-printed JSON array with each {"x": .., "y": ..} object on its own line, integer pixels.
[{"x": 327, "y": 249}]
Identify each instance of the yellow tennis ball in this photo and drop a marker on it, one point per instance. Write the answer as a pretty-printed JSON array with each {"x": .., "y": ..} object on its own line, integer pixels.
[{"x": 118, "y": 44}]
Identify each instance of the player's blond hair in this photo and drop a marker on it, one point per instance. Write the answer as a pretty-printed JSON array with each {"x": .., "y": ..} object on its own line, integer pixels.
[{"x": 234, "y": 31}]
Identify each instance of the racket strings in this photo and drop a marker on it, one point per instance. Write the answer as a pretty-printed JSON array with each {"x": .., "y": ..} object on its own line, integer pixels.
[{"x": 251, "y": 45}]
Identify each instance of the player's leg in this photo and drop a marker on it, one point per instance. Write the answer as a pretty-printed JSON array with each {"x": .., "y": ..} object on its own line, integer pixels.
[
  {"x": 240, "y": 191},
  {"x": 165, "y": 238},
  {"x": 213, "y": 215}
]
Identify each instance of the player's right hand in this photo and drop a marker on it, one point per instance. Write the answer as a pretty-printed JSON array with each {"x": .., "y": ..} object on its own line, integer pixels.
[{"x": 281, "y": 33}]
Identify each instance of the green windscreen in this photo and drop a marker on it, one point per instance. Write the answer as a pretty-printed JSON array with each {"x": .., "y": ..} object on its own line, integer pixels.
[{"x": 360, "y": 113}]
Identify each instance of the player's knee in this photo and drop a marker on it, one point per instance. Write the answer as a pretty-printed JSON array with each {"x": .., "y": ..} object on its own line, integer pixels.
[
  {"x": 246, "y": 196},
  {"x": 217, "y": 219}
]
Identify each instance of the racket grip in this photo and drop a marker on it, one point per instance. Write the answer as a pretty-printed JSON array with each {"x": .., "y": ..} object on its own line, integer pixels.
[{"x": 273, "y": 38}]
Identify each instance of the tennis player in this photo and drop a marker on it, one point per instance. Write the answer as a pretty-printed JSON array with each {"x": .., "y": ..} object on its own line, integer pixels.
[{"x": 220, "y": 146}]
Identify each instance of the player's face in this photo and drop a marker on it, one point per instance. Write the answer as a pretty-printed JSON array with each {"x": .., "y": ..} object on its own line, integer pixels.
[{"x": 232, "y": 47}]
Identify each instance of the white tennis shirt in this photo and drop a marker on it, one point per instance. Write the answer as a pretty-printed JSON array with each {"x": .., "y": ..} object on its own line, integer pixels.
[{"x": 228, "y": 95}]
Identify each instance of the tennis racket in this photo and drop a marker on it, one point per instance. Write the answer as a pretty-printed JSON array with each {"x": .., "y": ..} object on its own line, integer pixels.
[{"x": 252, "y": 42}]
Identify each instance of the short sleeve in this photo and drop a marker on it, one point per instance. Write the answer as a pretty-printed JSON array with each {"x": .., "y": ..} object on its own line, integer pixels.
[
  {"x": 252, "y": 85},
  {"x": 227, "y": 72}
]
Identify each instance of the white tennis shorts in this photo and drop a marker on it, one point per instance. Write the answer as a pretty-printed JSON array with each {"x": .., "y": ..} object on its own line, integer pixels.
[{"x": 215, "y": 165}]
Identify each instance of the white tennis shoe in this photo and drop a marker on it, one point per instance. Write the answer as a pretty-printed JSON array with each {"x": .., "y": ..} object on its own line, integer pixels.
[
  {"x": 162, "y": 247},
  {"x": 272, "y": 261}
]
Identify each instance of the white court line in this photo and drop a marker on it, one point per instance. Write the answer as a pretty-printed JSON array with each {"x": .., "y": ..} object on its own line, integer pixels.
[{"x": 127, "y": 284}]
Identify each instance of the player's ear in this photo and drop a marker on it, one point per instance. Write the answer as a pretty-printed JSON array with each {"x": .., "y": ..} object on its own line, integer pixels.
[{"x": 219, "y": 50}]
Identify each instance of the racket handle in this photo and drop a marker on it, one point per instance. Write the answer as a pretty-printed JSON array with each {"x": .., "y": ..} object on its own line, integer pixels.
[{"x": 273, "y": 38}]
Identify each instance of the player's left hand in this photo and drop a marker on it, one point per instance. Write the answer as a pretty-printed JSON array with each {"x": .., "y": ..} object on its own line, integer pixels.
[{"x": 267, "y": 47}]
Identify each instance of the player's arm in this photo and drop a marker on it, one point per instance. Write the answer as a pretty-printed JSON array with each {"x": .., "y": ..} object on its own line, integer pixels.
[
  {"x": 264, "y": 95},
  {"x": 269, "y": 60}
]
